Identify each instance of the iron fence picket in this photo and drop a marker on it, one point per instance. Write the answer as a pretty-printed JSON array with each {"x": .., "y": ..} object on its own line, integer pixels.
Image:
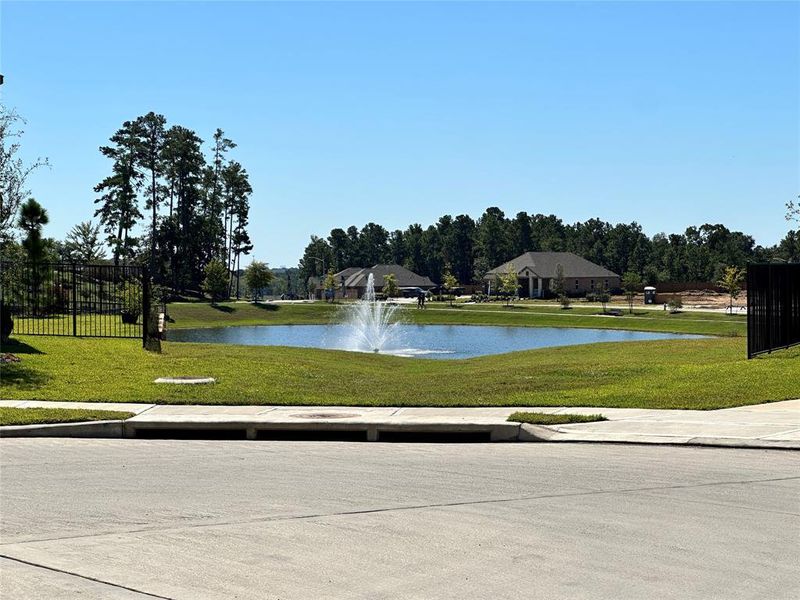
[
  {"x": 773, "y": 307},
  {"x": 75, "y": 299}
]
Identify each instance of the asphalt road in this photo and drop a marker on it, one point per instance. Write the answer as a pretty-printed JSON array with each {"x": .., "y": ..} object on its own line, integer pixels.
[{"x": 211, "y": 519}]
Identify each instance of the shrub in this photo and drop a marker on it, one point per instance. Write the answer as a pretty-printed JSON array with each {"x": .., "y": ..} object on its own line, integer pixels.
[{"x": 216, "y": 280}]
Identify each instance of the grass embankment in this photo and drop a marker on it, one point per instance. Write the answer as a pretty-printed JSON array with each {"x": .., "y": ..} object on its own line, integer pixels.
[
  {"x": 694, "y": 374},
  {"x": 538, "y": 418},
  {"x": 523, "y": 315},
  {"x": 35, "y": 416}
]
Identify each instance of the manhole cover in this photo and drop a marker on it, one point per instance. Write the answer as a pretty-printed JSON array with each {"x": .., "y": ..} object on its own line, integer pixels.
[
  {"x": 185, "y": 380},
  {"x": 324, "y": 415}
]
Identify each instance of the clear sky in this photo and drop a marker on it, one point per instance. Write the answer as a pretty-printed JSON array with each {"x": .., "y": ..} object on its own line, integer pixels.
[{"x": 669, "y": 114}]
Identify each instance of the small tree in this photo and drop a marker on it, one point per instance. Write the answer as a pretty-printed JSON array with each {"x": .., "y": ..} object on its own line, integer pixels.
[
  {"x": 14, "y": 171},
  {"x": 602, "y": 296},
  {"x": 390, "y": 288},
  {"x": 559, "y": 287},
  {"x": 631, "y": 283},
  {"x": 329, "y": 285},
  {"x": 675, "y": 304},
  {"x": 257, "y": 276},
  {"x": 449, "y": 283},
  {"x": 215, "y": 283},
  {"x": 83, "y": 243},
  {"x": 509, "y": 283},
  {"x": 731, "y": 282},
  {"x": 32, "y": 217}
]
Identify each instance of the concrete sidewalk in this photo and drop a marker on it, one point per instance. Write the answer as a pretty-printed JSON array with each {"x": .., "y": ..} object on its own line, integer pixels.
[{"x": 774, "y": 425}]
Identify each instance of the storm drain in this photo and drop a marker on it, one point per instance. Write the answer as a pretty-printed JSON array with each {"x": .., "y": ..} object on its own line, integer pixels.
[
  {"x": 165, "y": 433},
  {"x": 321, "y": 435},
  {"x": 435, "y": 437}
]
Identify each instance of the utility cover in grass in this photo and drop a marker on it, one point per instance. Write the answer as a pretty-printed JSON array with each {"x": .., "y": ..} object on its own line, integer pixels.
[{"x": 185, "y": 380}]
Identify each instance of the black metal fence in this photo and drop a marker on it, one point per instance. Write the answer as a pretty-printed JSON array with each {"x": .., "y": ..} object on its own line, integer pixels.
[
  {"x": 82, "y": 300},
  {"x": 773, "y": 307}
]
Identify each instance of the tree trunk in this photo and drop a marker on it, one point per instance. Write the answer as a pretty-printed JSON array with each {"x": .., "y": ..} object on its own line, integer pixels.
[
  {"x": 153, "y": 234},
  {"x": 238, "y": 268},
  {"x": 116, "y": 246}
]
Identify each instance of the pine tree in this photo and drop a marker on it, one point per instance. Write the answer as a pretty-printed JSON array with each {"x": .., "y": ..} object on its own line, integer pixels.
[
  {"x": 83, "y": 243},
  {"x": 151, "y": 133},
  {"x": 119, "y": 210}
]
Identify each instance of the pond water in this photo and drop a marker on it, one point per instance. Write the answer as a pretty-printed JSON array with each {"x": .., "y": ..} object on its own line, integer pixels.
[{"x": 423, "y": 341}]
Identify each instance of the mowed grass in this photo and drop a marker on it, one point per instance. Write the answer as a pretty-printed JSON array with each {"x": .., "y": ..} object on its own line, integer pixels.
[
  {"x": 539, "y": 418},
  {"x": 191, "y": 315},
  {"x": 690, "y": 374},
  {"x": 33, "y": 416}
]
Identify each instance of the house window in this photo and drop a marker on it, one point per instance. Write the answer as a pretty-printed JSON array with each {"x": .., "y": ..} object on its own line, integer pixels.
[
  {"x": 576, "y": 285},
  {"x": 591, "y": 284},
  {"x": 605, "y": 283}
]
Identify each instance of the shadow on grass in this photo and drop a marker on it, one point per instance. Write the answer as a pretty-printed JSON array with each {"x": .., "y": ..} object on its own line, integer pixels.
[
  {"x": 221, "y": 308},
  {"x": 18, "y": 347},
  {"x": 16, "y": 375},
  {"x": 270, "y": 307}
]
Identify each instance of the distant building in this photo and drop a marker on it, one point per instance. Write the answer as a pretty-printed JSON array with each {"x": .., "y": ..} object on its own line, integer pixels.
[
  {"x": 536, "y": 270},
  {"x": 352, "y": 282}
]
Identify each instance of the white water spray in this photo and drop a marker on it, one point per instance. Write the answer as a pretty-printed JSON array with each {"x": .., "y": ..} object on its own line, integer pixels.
[{"x": 371, "y": 323}]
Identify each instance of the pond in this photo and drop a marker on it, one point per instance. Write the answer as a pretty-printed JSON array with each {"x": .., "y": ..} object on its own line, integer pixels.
[{"x": 421, "y": 341}]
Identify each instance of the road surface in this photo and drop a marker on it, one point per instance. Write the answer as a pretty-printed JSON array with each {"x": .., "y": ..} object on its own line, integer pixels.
[{"x": 221, "y": 519}]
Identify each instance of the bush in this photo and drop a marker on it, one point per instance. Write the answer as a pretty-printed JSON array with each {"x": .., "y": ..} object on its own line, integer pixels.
[{"x": 675, "y": 304}]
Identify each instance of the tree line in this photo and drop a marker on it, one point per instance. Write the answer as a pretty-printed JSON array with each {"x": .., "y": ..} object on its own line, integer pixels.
[
  {"x": 165, "y": 203},
  {"x": 193, "y": 208},
  {"x": 468, "y": 247}
]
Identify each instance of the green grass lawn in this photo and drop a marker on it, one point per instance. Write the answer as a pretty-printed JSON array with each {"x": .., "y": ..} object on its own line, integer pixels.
[
  {"x": 33, "y": 416},
  {"x": 700, "y": 374},
  {"x": 186, "y": 315},
  {"x": 539, "y": 418}
]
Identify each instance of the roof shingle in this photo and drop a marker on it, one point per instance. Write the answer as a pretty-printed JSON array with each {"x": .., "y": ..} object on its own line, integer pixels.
[{"x": 543, "y": 264}]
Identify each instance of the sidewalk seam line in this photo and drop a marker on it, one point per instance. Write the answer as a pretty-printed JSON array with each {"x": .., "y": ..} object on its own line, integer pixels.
[{"x": 87, "y": 577}]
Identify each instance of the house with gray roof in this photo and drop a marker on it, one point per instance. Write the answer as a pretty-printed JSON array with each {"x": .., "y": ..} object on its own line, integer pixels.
[
  {"x": 536, "y": 270},
  {"x": 352, "y": 282}
]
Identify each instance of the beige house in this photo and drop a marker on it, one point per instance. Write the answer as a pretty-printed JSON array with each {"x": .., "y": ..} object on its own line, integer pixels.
[
  {"x": 536, "y": 270},
  {"x": 352, "y": 282}
]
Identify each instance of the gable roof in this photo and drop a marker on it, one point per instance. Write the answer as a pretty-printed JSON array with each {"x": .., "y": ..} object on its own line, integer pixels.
[
  {"x": 355, "y": 277},
  {"x": 543, "y": 264}
]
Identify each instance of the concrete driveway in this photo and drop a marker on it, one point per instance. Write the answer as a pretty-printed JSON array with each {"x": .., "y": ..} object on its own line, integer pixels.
[{"x": 212, "y": 519}]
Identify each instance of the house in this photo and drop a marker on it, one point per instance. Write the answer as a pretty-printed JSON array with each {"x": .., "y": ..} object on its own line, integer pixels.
[
  {"x": 352, "y": 282},
  {"x": 536, "y": 270}
]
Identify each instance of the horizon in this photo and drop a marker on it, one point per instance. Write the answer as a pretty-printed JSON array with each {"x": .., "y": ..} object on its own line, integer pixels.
[{"x": 669, "y": 115}]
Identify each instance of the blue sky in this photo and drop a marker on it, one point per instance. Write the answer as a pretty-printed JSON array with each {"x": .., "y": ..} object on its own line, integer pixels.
[{"x": 669, "y": 114}]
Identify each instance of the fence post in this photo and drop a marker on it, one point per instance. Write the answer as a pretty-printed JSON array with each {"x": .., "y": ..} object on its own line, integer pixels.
[
  {"x": 74, "y": 300},
  {"x": 145, "y": 304}
]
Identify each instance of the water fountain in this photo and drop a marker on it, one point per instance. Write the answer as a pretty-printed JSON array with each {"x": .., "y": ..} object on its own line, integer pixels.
[{"x": 371, "y": 324}]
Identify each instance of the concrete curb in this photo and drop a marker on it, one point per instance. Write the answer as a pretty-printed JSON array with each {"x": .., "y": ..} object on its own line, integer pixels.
[
  {"x": 542, "y": 433},
  {"x": 80, "y": 429},
  {"x": 371, "y": 431}
]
